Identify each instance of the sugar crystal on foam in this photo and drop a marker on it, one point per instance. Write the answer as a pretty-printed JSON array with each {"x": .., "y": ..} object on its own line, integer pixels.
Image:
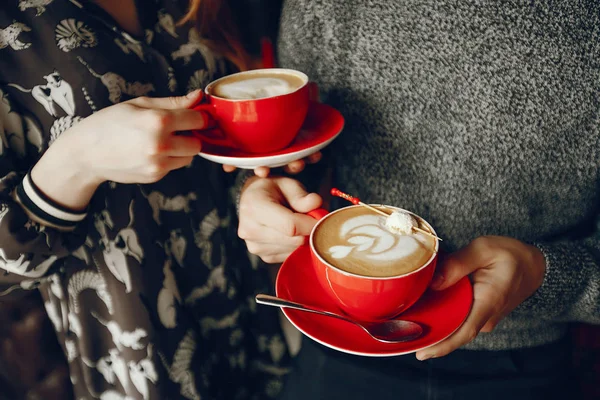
[{"x": 401, "y": 222}]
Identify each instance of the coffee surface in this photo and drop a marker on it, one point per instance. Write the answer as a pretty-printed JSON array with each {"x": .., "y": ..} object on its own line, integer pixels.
[
  {"x": 257, "y": 85},
  {"x": 356, "y": 240}
]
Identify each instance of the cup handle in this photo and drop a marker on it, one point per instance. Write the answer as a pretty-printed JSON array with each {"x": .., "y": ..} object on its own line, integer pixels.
[
  {"x": 318, "y": 213},
  {"x": 219, "y": 138}
]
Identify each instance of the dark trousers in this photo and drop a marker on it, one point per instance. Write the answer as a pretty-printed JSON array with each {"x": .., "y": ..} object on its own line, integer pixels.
[{"x": 537, "y": 373}]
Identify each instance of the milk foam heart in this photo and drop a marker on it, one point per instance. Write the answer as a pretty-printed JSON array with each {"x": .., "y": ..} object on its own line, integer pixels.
[{"x": 374, "y": 241}]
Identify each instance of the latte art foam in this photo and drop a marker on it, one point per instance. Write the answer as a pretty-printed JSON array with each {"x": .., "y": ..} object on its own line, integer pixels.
[
  {"x": 256, "y": 88},
  {"x": 358, "y": 241},
  {"x": 256, "y": 85},
  {"x": 367, "y": 239}
]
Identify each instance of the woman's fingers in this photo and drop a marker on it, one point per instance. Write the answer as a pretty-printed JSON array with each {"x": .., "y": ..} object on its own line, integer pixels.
[
  {"x": 295, "y": 167},
  {"x": 314, "y": 158},
  {"x": 182, "y": 146},
  {"x": 173, "y": 163},
  {"x": 169, "y": 103},
  {"x": 262, "y": 172},
  {"x": 165, "y": 122}
]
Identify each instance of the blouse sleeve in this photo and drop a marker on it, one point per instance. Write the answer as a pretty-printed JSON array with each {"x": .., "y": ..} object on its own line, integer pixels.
[{"x": 35, "y": 233}]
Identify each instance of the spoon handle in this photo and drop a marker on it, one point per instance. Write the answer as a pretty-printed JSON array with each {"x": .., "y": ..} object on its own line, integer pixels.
[{"x": 278, "y": 302}]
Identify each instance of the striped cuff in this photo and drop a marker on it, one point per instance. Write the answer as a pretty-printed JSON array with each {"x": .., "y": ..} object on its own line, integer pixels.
[{"x": 44, "y": 210}]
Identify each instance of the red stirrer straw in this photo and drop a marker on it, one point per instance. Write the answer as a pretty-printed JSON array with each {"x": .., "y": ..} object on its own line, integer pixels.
[
  {"x": 356, "y": 201},
  {"x": 338, "y": 193}
]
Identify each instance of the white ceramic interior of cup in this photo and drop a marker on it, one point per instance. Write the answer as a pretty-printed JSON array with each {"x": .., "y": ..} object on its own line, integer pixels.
[{"x": 425, "y": 265}]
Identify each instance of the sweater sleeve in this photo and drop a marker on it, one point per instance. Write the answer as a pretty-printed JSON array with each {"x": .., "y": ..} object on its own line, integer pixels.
[
  {"x": 571, "y": 287},
  {"x": 35, "y": 233}
]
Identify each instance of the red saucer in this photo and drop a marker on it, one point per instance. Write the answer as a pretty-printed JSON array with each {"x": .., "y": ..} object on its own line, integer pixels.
[
  {"x": 322, "y": 125},
  {"x": 440, "y": 313}
]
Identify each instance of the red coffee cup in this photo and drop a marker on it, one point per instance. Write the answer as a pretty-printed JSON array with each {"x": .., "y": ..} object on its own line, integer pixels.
[
  {"x": 370, "y": 298},
  {"x": 256, "y": 125}
]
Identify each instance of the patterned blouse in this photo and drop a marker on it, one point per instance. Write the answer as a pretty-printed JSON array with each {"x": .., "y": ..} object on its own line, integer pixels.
[{"x": 149, "y": 290}]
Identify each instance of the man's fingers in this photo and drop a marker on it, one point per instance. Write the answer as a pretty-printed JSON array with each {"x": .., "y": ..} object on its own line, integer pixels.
[
  {"x": 229, "y": 168},
  {"x": 481, "y": 312},
  {"x": 497, "y": 317},
  {"x": 490, "y": 325},
  {"x": 456, "y": 266}
]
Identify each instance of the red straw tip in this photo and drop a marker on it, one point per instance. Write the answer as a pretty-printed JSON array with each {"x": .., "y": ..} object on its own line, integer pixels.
[{"x": 345, "y": 196}]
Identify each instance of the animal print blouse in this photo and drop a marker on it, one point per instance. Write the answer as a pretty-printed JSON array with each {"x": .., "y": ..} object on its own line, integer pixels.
[{"x": 149, "y": 297}]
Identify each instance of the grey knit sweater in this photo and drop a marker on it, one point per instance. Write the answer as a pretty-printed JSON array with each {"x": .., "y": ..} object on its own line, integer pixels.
[{"x": 482, "y": 117}]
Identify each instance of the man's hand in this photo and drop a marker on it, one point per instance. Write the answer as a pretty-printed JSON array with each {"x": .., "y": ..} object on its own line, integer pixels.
[
  {"x": 272, "y": 220},
  {"x": 504, "y": 272}
]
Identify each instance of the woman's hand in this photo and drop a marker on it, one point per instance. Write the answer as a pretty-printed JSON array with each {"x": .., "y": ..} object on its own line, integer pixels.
[
  {"x": 504, "y": 272},
  {"x": 130, "y": 142}
]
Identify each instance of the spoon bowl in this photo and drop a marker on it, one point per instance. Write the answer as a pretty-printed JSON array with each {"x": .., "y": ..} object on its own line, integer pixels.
[{"x": 390, "y": 331}]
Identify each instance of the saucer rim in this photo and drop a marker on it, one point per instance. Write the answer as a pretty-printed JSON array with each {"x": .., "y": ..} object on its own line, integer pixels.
[
  {"x": 250, "y": 160},
  {"x": 274, "y": 161},
  {"x": 374, "y": 355},
  {"x": 379, "y": 354}
]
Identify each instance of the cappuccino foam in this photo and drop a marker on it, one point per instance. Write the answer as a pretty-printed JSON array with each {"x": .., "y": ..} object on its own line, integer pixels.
[
  {"x": 257, "y": 86},
  {"x": 357, "y": 240}
]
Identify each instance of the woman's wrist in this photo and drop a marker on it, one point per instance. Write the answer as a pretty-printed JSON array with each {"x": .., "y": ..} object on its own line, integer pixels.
[{"x": 63, "y": 176}]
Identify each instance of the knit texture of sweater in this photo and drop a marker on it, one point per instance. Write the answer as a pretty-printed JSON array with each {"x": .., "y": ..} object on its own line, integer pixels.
[{"x": 480, "y": 116}]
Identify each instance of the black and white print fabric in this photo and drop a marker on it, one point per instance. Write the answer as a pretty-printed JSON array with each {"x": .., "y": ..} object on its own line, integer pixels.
[{"x": 148, "y": 291}]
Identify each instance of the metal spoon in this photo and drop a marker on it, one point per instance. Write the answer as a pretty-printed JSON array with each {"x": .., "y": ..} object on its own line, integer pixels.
[{"x": 391, "y": 331}]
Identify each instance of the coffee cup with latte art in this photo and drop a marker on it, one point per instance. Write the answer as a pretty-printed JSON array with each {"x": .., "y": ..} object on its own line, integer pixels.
[
  {"x": 258, "y": 111},
  {"x": 372, "y": 273}
]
